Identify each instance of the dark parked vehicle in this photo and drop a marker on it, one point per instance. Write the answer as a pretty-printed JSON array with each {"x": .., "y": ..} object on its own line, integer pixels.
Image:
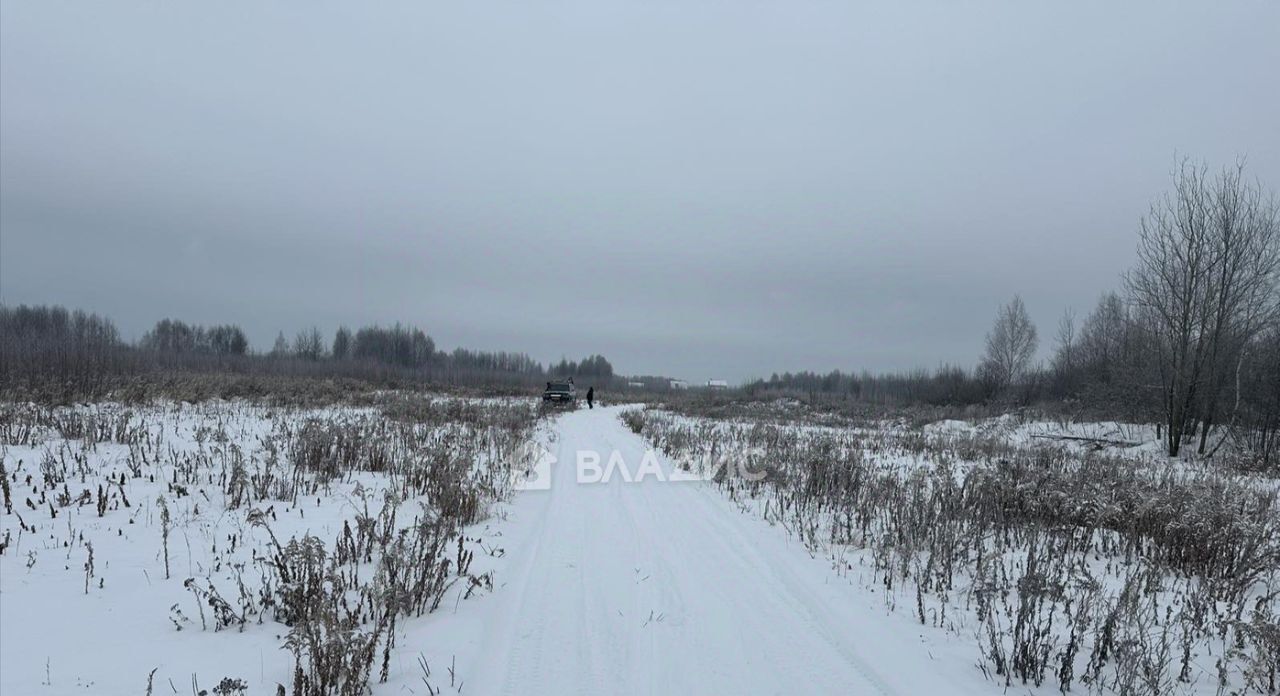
[{"x": 560, "y": 394}]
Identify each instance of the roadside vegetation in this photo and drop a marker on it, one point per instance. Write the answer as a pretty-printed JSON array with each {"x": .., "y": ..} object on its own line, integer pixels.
[{"x": 1080, "y": 568}]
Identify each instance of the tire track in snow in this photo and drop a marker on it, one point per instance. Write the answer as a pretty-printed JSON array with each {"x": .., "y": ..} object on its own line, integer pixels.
[{"x": 737, "y": 614}]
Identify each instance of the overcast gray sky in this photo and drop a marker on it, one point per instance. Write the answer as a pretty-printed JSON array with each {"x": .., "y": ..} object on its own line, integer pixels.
[{"x": 701, "y": 189}]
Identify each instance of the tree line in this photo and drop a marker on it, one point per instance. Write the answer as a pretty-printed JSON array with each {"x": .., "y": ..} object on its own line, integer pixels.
[
  {"x": 66, "y": 355},
  {"x": 177, "y": 337},
  {"x": 71, "y": 351}
]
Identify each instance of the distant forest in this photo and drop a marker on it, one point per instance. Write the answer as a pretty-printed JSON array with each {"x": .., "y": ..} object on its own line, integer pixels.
[{"x": 52, "y": 353}]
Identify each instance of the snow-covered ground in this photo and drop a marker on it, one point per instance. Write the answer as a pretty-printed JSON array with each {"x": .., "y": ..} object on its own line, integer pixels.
[
  {"x": 630, "y": 584},
  {"x": 1128, "y": 439},
  {"x": 617, "y": 586},
  {"x": 66, "y": 628}
]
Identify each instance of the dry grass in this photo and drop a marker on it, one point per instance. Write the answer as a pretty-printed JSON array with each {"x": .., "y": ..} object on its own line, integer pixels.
[{"x": 1089, "y": 570}]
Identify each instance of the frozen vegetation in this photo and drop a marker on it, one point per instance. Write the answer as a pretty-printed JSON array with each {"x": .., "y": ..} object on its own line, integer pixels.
[
  {"x": 232, "y": 548},
  {"x": 427, "y": 545},
  {"x": 1065, "y": 556}
]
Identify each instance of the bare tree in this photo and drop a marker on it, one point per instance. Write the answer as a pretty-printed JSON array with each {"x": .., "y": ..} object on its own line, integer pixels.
[
  {"x": 309, "y": 344},
  {"x": 1064, "y": 360},
  {"x": 1204, "y": 286},
  {"x": 1105, "y": 341},
  {"x": 1011, "y": 344},
  {"x": 1246, "y": 247}
]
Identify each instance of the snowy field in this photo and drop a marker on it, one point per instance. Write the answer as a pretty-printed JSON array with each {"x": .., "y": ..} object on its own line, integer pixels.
[
  {"x": 425, "y": 546},
  {"x": 162, "y": 548},
  {"x": 1060, "y": 555}
]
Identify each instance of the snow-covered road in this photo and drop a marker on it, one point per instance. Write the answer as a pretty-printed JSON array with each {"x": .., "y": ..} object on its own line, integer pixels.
[{"x": 660, "y": 587}]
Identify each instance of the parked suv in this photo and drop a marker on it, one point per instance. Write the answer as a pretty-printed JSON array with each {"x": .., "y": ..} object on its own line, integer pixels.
[{"x": 560, "y": 394}]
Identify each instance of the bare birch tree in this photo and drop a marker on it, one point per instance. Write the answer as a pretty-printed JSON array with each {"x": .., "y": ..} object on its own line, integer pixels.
[{"x": 1011, "y": 344}]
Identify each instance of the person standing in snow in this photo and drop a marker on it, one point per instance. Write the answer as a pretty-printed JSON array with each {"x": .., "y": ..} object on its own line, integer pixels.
[{"x": 591, "y": 396}]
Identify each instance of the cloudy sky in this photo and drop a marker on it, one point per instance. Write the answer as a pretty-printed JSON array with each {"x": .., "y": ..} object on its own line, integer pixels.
[{"x": 695, "y": 188}]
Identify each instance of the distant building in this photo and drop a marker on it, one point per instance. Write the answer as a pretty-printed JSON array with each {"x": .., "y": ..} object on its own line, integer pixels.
[
  {"x": 679, "y": 384},
  {"x": 717, "y": 384},
  {"x": 637, "y": 385}
]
